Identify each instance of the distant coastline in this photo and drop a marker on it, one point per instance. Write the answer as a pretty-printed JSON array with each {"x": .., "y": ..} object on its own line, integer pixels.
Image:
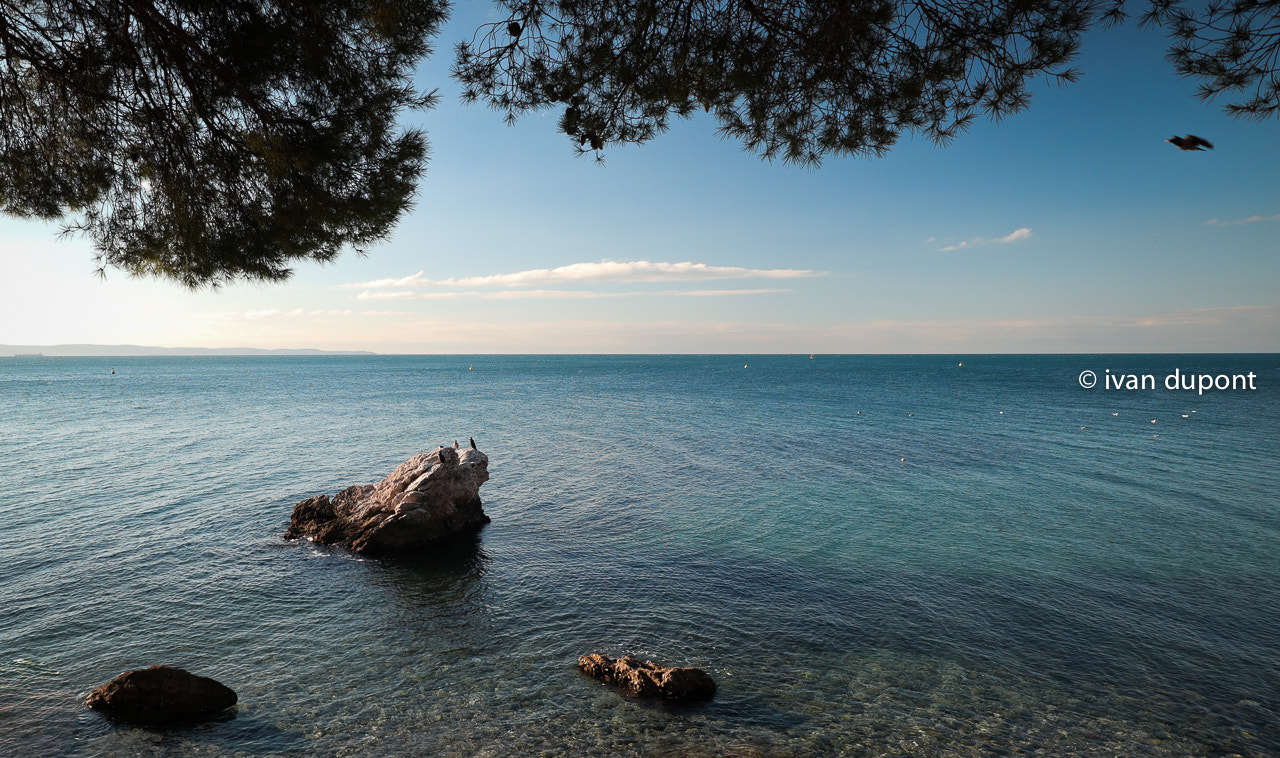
[{"x": 78, "y": 351}]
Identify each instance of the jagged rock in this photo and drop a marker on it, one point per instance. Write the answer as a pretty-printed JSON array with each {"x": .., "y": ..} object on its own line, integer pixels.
[
  {"x": 161, "y": 694},
  {"x": 428, "y": 498},
  {"x": 631, "y": 677}
]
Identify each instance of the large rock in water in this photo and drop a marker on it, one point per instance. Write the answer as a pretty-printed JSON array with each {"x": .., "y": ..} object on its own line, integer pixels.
[
  {"x": 631, "y": 677},
  {"x": 160, "y": 695},
  {"x": 430, "y": 497}
]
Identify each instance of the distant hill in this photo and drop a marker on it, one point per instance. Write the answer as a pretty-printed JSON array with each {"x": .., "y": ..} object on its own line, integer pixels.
[{"x": 126, "y": 350}]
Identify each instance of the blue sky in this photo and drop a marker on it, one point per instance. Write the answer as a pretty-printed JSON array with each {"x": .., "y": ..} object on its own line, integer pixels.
[{"x": 1070, "y": 227}]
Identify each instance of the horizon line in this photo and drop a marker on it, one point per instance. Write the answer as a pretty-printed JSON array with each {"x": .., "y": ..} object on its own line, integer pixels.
[{"x": 321, "y": 352}]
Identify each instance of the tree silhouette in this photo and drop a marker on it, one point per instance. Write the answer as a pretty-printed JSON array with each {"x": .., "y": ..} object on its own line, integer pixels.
[
  {"x": 211, "y": 141},
  {"x": 1234, "y": 47},
  {"x": 795, "y": 80},
  {"x": 214, "y": 140},
  {"x": 801, "y": 80}
]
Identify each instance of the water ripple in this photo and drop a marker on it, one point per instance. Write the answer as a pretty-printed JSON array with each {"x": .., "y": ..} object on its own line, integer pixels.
[{"x": 927, "y": 577}]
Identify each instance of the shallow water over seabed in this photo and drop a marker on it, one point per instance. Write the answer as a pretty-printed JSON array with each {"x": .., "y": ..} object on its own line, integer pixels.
[{"x": 871, "y": 555}]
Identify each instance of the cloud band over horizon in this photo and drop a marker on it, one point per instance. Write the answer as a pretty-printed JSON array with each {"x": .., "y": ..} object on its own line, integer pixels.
[
  {"x": 605, "y": 271},
  {"x": 542, "y": 294}
]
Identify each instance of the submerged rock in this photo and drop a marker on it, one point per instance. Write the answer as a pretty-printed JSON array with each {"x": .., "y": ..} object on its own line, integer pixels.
[
  {"x": 161, "y": 694},
  {"x": 428, "y": 498},
  {"x": 631, "y": 677}
]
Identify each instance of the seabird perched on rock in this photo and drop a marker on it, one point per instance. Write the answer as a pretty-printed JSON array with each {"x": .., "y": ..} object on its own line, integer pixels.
[
  {"x": 455, "y": 444},
  {"x": 1190, "y": 142},
  {"x": 473, "y": 443}
]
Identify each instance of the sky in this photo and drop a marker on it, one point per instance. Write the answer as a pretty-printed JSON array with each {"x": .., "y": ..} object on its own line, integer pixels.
[{"x": 1071, "y": 227}]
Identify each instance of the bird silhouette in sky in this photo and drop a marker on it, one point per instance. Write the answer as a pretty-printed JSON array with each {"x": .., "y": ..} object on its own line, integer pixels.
[{"x": 1190, "y": 142}]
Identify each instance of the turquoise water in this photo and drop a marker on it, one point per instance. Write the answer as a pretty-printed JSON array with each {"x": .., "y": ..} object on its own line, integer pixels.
[{"x": 872, "y": 555}]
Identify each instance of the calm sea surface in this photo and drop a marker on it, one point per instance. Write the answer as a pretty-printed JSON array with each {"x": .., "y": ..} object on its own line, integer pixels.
[{"x": 872, "y": 555}]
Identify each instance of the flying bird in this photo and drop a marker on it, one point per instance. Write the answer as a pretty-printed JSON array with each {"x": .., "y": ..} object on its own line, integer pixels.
[{"x": 1190, "y": 142}]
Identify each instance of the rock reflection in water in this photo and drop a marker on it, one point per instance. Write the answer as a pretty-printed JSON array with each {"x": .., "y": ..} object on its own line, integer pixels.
[{"x": 439, "y": 602}]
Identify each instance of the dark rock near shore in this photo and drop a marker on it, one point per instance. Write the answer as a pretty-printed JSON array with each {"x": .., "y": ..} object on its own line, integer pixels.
[
  {"x": 430, "y": 497},
  {"x": 649, "y": 680},
  {"x": 161, "y": 695}
]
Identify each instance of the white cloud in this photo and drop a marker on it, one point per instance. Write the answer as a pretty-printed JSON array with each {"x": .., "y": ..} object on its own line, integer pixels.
[
  {"x": 1239, "y": 221},
  {"x": 1015, "y": 236},
  {"x": 397, "y": 295},
  {"x": 276, "y": 313},
  {"x": 718, "y": 293},
  {"x": 598, "y": 272},
  {"x": 552, "y": 294}
]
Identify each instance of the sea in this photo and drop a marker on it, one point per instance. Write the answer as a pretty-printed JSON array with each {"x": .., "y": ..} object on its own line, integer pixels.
[{"x": 934, "y": 555}]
